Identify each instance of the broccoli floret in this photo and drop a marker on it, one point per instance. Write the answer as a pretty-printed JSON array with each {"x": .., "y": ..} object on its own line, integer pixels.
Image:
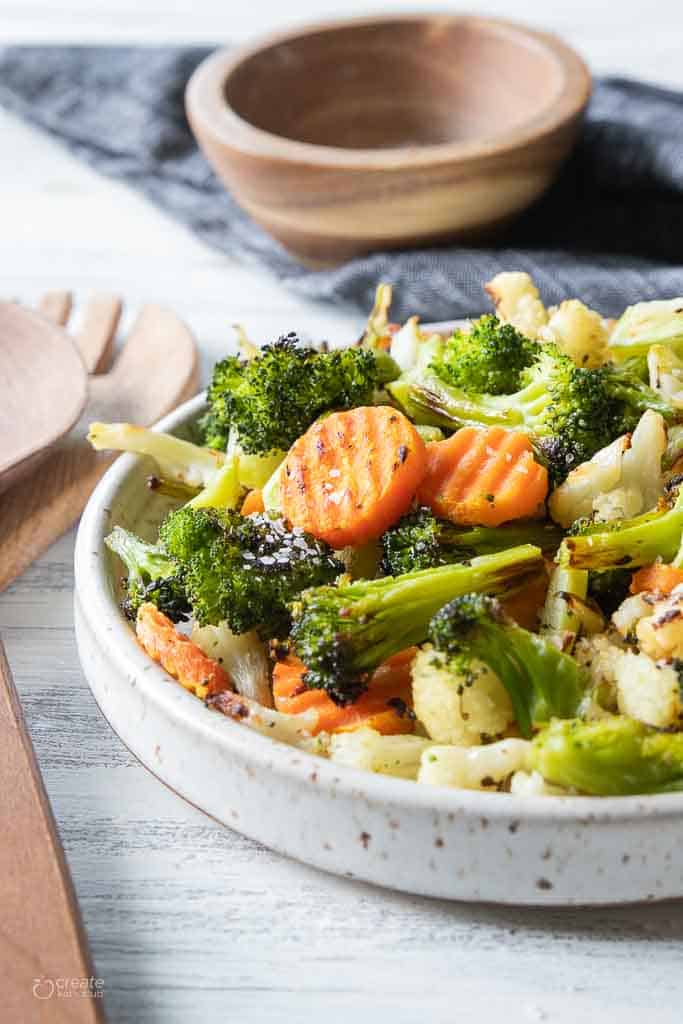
[
  {"x": 489, "y": 359},
  {"x": 614, "y": 756},
  {"x": 625, "y": 543},
  {"x": 541, "y": 681},
  {"x": 569, "y": 412},
  {"x": 152, "y": 576},
  {"x": 272, "y": 399},
  {"x": 421, "y": 541},
  {"x": 244, "y": 569},
  {"x": 342, "y": 633}
]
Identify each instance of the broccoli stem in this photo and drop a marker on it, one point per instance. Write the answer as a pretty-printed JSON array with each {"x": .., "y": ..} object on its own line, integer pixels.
[
  {"x": 629, "y": 544},
  {"x": 178, "y": 460},
  {"x": 560, "y": 617},
  {"x": 141, "y": 559},
  {"x": 343, "y": 633},
  {"x": 614, "y": 756}
]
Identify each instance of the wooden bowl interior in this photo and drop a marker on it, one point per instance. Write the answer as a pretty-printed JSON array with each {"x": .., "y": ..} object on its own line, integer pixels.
[{"x": 421, "y": 81}]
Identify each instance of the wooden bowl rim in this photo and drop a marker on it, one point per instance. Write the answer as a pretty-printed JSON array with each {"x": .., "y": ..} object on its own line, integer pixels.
[{"x": 208, "y": 109}]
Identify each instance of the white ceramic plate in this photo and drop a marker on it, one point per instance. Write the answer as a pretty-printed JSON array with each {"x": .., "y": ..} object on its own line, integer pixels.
[{"x": 421, "y": 839}]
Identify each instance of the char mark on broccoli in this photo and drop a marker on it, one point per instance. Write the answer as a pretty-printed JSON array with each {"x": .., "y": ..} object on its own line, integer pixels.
[
  {"x": 541, "y": 681},
  {"x": 244, "y": 569},
  {"x": 342, "y": 633},
  {"x": 272, "y": 399}
]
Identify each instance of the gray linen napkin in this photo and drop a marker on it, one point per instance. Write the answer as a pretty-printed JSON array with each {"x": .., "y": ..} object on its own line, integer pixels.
[{"x": 610, "y": 231}]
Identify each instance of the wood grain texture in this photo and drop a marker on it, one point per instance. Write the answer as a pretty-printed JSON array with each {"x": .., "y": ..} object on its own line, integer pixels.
[
  {"x": 155, "y": 371},
  {"x": 189, "y": 923},
  {"x": 417, "y": 129},
  {"x": 43, "y": 388},
  {"x": 42, "y": 942}
]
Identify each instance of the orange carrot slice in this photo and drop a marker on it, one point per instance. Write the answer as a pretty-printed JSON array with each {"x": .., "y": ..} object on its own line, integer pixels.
[
  {"x": 253, "y": 503},
  {"x": 178, "y": 655},
  {"x": 352, "y": 475},
  {"x": 483, "y": 477},
  {"x": 657, "y": 578},
  {"x": 384, "y": 706}
]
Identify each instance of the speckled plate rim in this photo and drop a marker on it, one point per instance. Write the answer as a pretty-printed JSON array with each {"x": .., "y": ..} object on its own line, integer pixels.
[{"x": 98, "y": 611}]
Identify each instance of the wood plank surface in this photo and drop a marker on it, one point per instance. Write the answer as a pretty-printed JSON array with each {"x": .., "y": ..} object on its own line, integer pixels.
[{"x": 189, "y": 923}]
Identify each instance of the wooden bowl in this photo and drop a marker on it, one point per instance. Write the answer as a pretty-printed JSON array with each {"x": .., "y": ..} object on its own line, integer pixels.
[{"x": 391, "y": 131}]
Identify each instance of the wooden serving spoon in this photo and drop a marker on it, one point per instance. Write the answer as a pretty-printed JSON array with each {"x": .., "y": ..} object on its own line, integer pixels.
[
  {"x": 43, "y": 949},
  {"x": 156, "y": 370},
  {"x": 43, "y": 384}
]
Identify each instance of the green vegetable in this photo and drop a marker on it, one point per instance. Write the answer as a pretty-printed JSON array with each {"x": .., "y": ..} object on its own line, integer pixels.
[
  {"x": 648, "y": 323},
  {"x": 342, "y": 633},
  {"x": 489, "y": 359},
  {"x": 541, "y": 681},
  {"x": 152, "y": 576},
  {"x": 244, "y": 570},
  {"x": 569, "y": 412},
  {"x": 609, "y": 588},
  {"x": 611, "y": 757},
  {"x": 561, "y": 616},
  {"x": 273, "y": 398},
  {"x": 626, "y": 543},
  {"x": 421, "y": 541}
]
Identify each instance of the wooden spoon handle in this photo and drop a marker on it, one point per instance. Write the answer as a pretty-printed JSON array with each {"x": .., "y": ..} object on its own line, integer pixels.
[{"x": 43, "y": 950}]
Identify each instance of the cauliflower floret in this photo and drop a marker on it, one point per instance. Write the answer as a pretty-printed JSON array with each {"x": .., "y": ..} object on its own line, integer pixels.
[
  {"x": 660, "y": 634},
  {"x": 578, "y": 331},
  {"x": 620, "y": 481},
  {"x": 600, "y": 657},
  {"x": 630, "y": 612},
  {"x": 483, "y": 767},
  {"x": 371, "y": 751},
  {"x": 242, "y": 656},
  {"x": 455, "y": 708},
  {"x": 533, "y": 784},
  {"x": 517, "y": 302},
  {"x": 648, "y": 691}
]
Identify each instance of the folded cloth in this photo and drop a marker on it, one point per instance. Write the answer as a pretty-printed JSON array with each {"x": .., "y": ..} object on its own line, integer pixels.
[{"x": 609, "y": 231}]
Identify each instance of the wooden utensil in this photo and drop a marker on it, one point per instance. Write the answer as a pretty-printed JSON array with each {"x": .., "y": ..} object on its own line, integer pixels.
[
  {"x": 156, "y": 369},
  {"x": 43, "y": 385},
  {"x": 391, "y": 131},
  {"x": 43, "y": 949}
]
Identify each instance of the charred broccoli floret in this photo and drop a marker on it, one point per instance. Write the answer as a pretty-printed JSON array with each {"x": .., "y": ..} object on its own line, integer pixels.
[
  {"x": 541, "y": 681},
  {"x": 488, "y": 359},
  {"x": 152, "y": 576},
  {"x": 244, "y": 570},
  {"x": 342, "y": 633},
  {"x": 272, "y": 399},
  {"x": 569, "y": 412},
  {"x": 421, "y": 541},
  {"x": 614, "y": 756},
  {"x": 625, "y": 543}
]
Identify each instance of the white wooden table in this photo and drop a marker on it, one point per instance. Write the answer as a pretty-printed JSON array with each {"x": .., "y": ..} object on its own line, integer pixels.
[{"x": 188, "y": 921}]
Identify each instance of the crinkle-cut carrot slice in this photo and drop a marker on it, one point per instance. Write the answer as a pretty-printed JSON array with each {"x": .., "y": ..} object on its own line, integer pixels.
[
  {"x": 178, "y": 655},
  {"x": 385, "y": 706},
  {"x": 483, "y": 477},
  {"x": 352, "y": 474}
]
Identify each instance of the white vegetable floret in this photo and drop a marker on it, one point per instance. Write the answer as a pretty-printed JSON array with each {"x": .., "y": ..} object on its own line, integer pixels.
[
  {"x": 578, "y": 331},
  {"x": 533, "y": 784},
  {"x": 517, "y": 302},
  {"x": 369, "y": 750},
  {"x": 457, "y": 708},
  {"x": 630, "y": 612},
  {"x": 620, "y": 481},
  {"x": 243, "y": 657},
  {"x": 661, "y": 634},
  {"x": 483, "y": 767},
  {"x": 666, "y": 374},
  {"x": 648, "y": 691}
]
